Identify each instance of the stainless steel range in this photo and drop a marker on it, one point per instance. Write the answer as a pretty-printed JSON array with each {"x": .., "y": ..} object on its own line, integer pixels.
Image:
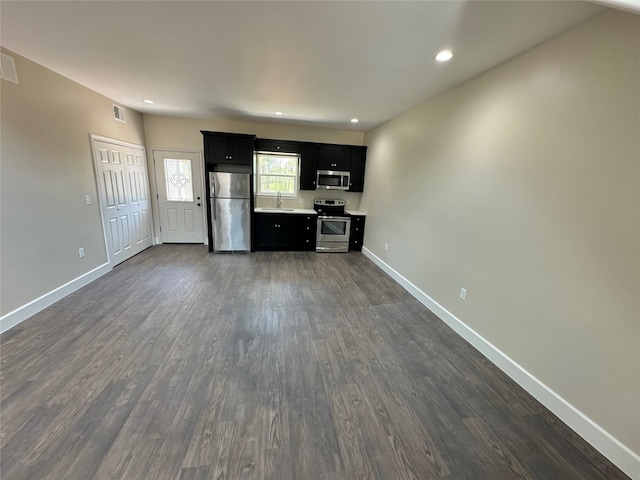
[{"x": 334, "y": 226}]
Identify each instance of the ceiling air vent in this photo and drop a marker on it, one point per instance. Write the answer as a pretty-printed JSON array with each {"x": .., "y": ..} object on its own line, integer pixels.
[
  {"x": 118, "y": 113},
  {"x": 8, "y": 68}
]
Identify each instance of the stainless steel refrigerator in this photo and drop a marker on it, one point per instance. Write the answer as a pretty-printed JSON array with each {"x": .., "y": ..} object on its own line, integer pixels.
[{"x": 230, "y": 211}]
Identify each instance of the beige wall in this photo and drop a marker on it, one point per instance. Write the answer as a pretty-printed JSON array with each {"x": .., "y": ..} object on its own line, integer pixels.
[
  {"x": 46, "y": 171},
  {"x": 166, "y": 133},
  {"x": 522, "y": 186}
]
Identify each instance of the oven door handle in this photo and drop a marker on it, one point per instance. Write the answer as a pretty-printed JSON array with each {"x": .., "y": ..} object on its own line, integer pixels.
[{"x": 324, "y": 217}]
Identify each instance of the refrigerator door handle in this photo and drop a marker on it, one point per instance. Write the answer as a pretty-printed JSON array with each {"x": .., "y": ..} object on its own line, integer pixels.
[{"x": 213, "y": 207}]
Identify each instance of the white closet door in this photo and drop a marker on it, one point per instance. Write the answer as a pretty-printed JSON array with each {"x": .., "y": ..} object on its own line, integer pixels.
[
  {"x": 124, "y": 198},
  {"x": 139, "y": 205}
]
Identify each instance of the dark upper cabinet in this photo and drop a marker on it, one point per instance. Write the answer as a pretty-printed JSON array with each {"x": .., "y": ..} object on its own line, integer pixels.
[
  {"x": 334, "y": 157},
  {"x": 228, "y": 148},
  {"x": 308, "y": 166},
  {"x": 277, "y": 146},
  {"x": 358, "y": 159}
]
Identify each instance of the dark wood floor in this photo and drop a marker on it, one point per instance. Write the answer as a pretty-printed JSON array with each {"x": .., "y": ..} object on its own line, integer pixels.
[{"x": 180, "y": 364}]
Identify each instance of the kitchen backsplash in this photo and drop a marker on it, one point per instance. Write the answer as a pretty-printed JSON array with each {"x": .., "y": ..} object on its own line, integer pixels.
[{"x": 305, "y": 199}]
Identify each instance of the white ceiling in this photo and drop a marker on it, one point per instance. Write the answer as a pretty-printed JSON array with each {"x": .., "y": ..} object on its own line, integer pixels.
[{"x": 319, "y": 62}]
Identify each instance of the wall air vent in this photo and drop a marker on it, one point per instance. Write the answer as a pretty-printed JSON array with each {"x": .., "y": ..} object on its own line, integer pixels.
[
  {"x": 8, "y": 68},
  {"x": 118, "y": 113}
]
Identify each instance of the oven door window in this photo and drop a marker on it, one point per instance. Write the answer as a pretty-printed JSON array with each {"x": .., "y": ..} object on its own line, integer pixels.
[{"x": 333, "y": 227}]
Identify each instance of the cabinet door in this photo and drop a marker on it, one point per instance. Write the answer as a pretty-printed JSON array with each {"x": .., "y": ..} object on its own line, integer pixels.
[
  {"x": 342, "y": 158},
  {"x": 308, "y": 167},
  {"x": 358, "y": 159},
  {"x": 216, "y": 149},
  {"x": 289, "y": 232},
  {"x": 240, "y": 150},
  {"x": 277, "y": 146},
  {"x": 334, "y": 157},
  {"x": 265, "y": 231}
]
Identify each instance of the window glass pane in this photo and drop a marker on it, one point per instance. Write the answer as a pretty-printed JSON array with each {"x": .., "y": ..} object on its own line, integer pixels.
[
  {"x": 277, "y": 173},
  {"x": 178, "y": 178},
  {"x": 278, "y": 165},
  {"x": 275, "y": 184}
]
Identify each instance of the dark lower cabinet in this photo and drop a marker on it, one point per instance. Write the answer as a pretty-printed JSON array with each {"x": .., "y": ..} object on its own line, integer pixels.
[
  {"x": 284, "y": 231},
  {"x": 356, "y": 235}
]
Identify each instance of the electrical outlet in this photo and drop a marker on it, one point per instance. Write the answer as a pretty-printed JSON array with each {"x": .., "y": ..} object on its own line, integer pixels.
[
  {"x": 87, "y": 199},
  {"x": 81, "y": 252},
  {"x": 386, "y": 246},
  {"x": 463, "y": 293}
]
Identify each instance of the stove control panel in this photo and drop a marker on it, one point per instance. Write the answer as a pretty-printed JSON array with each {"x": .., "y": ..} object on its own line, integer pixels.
[{"x": 328, "y": 202}]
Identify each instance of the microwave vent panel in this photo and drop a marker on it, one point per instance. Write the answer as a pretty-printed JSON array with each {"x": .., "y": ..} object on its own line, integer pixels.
[
  {"x": 8, "y": 68},
  {"x": 118, "y": 113}
]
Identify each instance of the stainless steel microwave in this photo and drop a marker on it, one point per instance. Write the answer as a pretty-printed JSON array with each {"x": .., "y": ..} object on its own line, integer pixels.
[{"x": 332, "y": 180}]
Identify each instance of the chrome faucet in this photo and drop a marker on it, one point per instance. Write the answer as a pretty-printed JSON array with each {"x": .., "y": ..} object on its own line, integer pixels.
[{"x": 279, "y": 200}]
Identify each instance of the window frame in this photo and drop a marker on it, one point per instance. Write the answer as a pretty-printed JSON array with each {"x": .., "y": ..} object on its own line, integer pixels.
[{"x": 296, "y": 176}]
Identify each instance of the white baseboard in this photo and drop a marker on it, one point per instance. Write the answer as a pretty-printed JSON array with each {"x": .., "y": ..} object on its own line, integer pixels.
[
  {"x": 20, "y": 314},
  {"x": 619, "y": 454}
]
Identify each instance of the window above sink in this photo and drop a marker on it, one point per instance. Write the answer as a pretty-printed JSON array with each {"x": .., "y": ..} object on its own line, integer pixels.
[{"x": 277, "y": 173}]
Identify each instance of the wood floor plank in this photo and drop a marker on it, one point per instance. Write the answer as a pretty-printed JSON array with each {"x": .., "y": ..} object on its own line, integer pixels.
[{"x": 185, "y": 365}]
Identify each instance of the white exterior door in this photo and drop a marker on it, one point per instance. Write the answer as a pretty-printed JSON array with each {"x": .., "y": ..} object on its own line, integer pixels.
[
  {"x": 124, "y": 198},
  {"x": 180, "y": 197}
]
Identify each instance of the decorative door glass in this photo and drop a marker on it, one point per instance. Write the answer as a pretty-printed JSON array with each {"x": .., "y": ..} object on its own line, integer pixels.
[{"x": 178, "y": 180}]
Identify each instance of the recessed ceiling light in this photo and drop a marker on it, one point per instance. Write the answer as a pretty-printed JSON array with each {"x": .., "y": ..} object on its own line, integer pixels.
[
  {"x": 354, "y": 120},
  {"x": 444, "y": 56},
  {"x": 148, "y": 101},
  {"x": 279, "y": 113}
]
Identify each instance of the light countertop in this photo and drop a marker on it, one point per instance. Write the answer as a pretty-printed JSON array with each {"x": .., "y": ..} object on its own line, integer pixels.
[
  {"x": 303, "y": 211},
  {"x": 355, "y": 212}
]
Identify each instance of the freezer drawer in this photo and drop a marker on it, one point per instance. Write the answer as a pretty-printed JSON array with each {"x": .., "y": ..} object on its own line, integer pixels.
[{"x": 231, "y": 224}]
